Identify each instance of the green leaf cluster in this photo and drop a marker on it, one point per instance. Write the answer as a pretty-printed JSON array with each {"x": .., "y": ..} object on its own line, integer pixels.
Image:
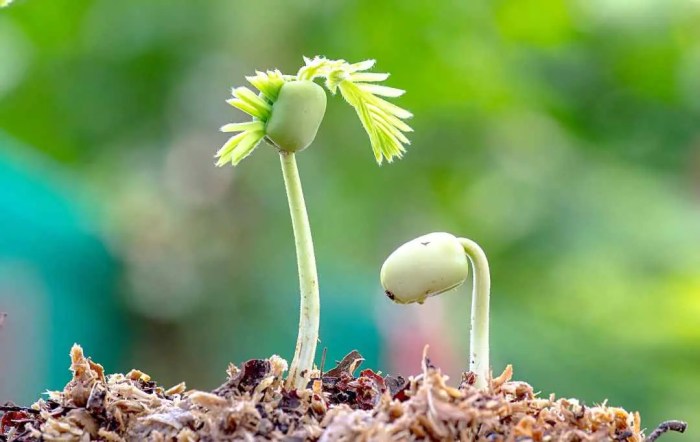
[{"x": 382, "y": 120}]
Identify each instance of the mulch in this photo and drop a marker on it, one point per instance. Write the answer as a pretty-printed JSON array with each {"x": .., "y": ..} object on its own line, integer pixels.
[{"x": 337, "y": 405}]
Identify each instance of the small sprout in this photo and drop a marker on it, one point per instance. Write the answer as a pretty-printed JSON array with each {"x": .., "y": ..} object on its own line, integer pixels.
[
  {"x": 426, "y": 266},
  {"x": 438, "y": 262},
  {"x": 287, "y": 113}
]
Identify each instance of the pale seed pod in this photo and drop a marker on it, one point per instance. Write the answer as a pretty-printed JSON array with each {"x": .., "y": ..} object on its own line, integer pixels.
[
  {"x": 426, "y": 266},
  {"x": 296, "y": 115}
]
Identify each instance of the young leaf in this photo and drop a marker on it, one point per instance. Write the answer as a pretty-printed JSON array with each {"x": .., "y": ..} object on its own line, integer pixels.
[{"x": 380, "y": 119}]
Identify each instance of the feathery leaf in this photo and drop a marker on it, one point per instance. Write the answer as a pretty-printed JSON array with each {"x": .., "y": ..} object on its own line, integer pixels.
[
  {"x": 239, "y": 146},
  {"x": 268, "y": 83},
  {"x": 380, "y": 119},
  {"x": 238, "y": 127}
]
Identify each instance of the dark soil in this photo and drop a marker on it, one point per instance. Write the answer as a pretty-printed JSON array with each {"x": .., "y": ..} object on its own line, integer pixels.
[{"x": 336, "y": 406}]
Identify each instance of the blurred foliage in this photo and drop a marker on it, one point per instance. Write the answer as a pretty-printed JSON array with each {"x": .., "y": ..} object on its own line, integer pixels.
[
  {"x": 56, "y": 279},
  {"x": 563, "y": 136}
]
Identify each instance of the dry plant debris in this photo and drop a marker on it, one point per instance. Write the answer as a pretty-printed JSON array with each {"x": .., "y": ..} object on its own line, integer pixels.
[{"x": 336, "y": 406}]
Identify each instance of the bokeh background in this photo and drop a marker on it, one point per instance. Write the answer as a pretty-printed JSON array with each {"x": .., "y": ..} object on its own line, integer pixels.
[{"x": 563, "y": 136}]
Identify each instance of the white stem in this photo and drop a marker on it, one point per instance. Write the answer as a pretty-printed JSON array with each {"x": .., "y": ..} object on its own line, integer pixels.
[
  {"x": 309, "y": 313},
  {"x": 481, "y": 292}
]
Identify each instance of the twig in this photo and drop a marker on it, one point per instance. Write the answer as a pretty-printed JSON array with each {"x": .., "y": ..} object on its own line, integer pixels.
[
  {"x": 323, "y": 360},
  {"x": 663, "y": 427},
  {"x": 7, "y": 408}
]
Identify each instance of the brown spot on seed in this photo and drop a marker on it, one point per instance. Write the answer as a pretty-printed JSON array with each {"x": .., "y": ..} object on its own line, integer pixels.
[{"x": 390, "y": 295}]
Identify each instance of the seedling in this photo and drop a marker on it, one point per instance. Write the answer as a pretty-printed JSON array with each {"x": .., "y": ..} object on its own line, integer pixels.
[
  {"x": 287, "y": 113},
  {"x": 438, "y": 262}
]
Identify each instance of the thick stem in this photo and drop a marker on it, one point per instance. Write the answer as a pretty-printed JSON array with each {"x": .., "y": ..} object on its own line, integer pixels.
[
  {"x": 481, "y": 292},
  {"x": 309, "y": 313}
]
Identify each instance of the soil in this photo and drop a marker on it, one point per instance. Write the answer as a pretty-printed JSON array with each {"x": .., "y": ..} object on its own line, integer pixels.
[{"x": 336, "y": 406}]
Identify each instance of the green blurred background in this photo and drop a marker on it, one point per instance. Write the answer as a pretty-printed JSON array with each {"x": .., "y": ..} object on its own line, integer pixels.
[{"x": 563, "y": 136}]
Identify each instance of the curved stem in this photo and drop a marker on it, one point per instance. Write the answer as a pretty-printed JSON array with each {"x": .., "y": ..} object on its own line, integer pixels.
[
  {"x": 481, "y": 292},
  {"x": 309, "y": 313}
]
